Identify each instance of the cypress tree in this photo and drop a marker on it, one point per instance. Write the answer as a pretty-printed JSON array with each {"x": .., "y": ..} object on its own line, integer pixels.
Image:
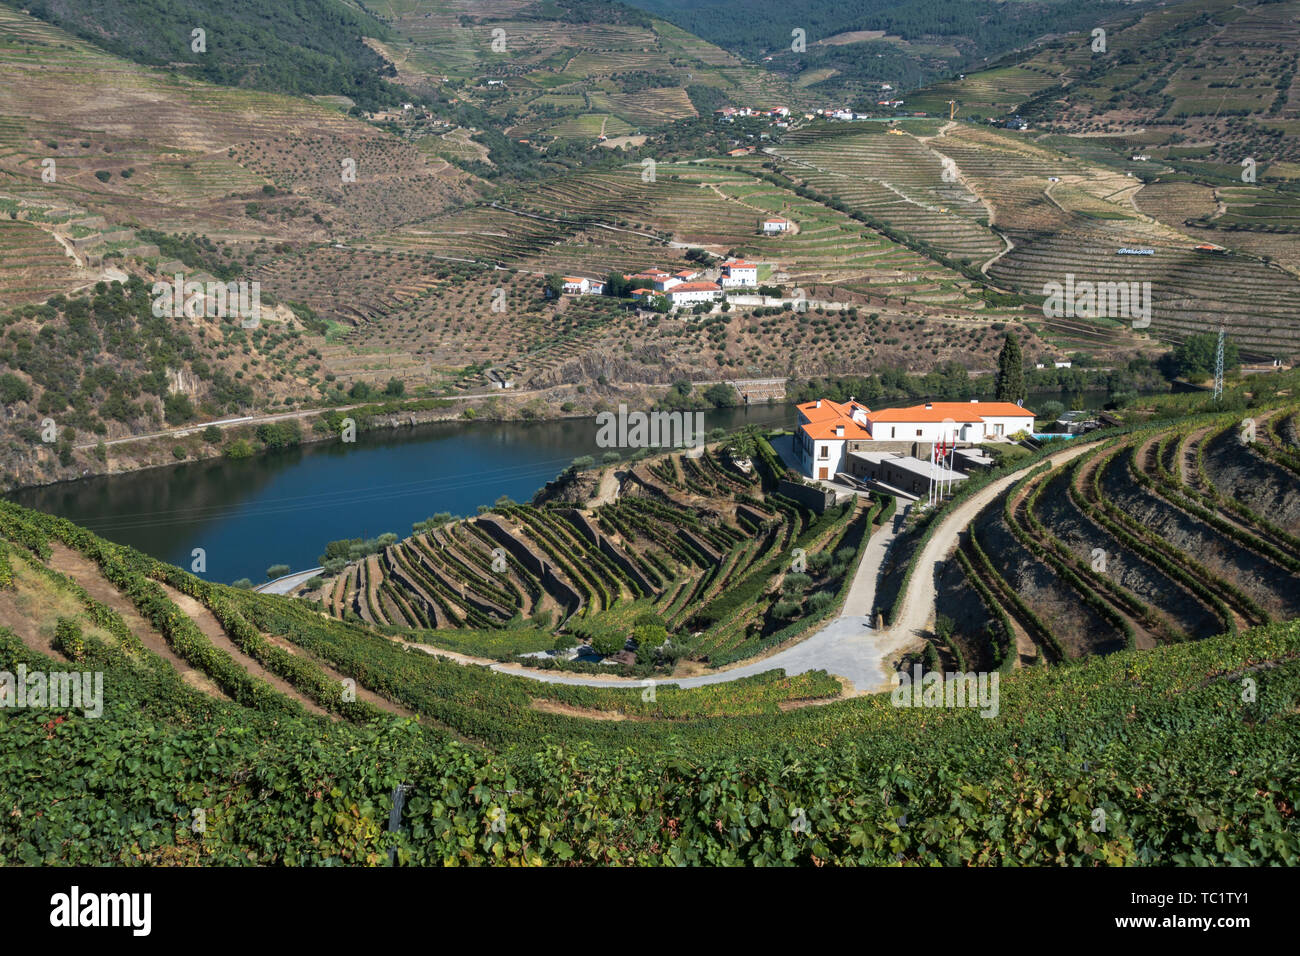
[{"x": 1011, "y": 371}]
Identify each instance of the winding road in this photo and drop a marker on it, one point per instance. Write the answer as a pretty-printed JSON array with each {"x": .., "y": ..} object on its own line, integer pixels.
[{"x": 848, "y": 646}]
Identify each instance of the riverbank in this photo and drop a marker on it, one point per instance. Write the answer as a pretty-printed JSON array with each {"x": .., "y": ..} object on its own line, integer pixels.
[{"x": 168, "y": 447}]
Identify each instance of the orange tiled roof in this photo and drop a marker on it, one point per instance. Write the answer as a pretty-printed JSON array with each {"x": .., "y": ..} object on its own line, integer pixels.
[{"x": 957, "y": 411}]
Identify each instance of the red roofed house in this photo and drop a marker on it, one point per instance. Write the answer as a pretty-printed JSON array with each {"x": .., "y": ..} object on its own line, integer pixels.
[
  {"x": 829, "y": 432},
  {"x": 825, "y": 428},
  {"x": 691, "y": 293},
  {"x": 578, "y": 285},
  {"x": 775, "y": 224},
  {"x": 737, "y": 272}
]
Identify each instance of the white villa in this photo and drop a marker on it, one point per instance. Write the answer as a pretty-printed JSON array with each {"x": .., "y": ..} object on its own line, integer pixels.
[
  {"x": 692, "y": 293},
  {"x": 738, "y": 273},
  {"x": 829, "y": 433},
  {"x": 774, "y": 225}
]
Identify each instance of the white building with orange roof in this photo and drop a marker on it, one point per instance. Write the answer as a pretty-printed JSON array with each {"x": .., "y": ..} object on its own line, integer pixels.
[
  {"x": 831, "y": 436},
  {"x": 739, "y": 273},
  {"x": 824, "y": 431},
  {"x": 657, "y": 279},
  {"x": 972, "y": 421},
  {"x": 693, "y": 293}
]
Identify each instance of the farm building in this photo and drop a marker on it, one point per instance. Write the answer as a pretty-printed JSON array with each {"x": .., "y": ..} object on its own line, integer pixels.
[
  {"x": 828, "y": 432},
  {"x": 692, "y": 293},
  {"x": 657, "y": 279},
  {"x": 897, "y": 473},
  {"x": 775, "y": 224},
  {"x": 738, "y": 273},
  {"x": 578, "y": 285}
]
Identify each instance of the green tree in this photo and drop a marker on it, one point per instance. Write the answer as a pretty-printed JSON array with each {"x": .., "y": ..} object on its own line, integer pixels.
[
  {"x": 13, "y": 389},
  {"x": 1011, "y": 372},
  {"x": 276, "y": 571},
  {"x": 178, "y": 409},
  {"x": 1194, "y": 356}
]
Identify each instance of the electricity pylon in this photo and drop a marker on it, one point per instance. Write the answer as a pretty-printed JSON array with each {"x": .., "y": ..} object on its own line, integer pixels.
[{"x": 1218, "y": 367}]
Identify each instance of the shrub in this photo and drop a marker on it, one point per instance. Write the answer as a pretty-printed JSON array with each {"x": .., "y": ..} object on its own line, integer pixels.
[
  {"x": 240, "y": 448},
  {"x": 13, "y": 389},
  {"x": 68, "y": 639},
  {"x": 243, "y": 583},
  {"x": 276, "y": 571},
  {"x": 212, "y": 435}
]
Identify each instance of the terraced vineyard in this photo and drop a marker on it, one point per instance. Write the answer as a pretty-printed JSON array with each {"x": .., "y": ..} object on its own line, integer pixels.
[
  {"x": 331, "y": 715},
  {"x": 1163, "y": 535},
  {"x": 694, "y": 541}
]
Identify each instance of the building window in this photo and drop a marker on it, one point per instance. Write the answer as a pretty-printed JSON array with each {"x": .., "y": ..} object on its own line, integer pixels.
[
  {"x": 825, "y": 452},
  {"x": 918, "y": 433},
  {"x": 892, "y": 432}
]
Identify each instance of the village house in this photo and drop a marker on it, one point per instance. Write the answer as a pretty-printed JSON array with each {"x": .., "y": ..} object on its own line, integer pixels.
[
  {"x": 578, "y": 285},
  {"x": 737, "y": 273},
  {"x": 775, "y": 224},
  {"x": 656, "y": 279},
  {"x": 693, "y": 293}
]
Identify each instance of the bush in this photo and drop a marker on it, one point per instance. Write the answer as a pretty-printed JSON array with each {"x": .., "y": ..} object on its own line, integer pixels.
[
  {"x": 68, "y": 639},
  {"x": 243, "y": 584},
  {"x": 212, "y": 435},
  {"x": 13, "y": 389},
  {"x": 784, "y": 610},
  {"x": 179, "y": 452},
  {"x": 276, "y": 571},
  {"x": 240, "y": 448},
  {"x": 178, "y": 409}
]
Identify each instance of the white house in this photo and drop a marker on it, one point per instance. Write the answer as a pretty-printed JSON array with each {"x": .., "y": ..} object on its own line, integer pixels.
[
  {"x": 775, "y": 224},
  {"x": 738, "y": 273},
  {"x": 578, "y": 285},
  {"x": 828, "y": 432},
  {"x": 692, "y": 293},
  {"x": 825, "y": 429},
  {"x": 972, "y": 421}
]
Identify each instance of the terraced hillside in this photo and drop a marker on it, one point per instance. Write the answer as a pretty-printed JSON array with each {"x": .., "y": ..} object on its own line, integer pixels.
[
  {"x": 182, "y": 156},
  {"x": 567, "y": 70},
  {"x": 1162, "y": 535},
  {"x": 1076, "y": 226},
  {"x": 259, "y": 712},
  {"x": 692, "y": 541}
]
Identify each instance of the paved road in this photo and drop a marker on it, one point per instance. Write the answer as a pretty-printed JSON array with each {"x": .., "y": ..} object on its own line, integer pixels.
[{"x": 287, "y": 583}]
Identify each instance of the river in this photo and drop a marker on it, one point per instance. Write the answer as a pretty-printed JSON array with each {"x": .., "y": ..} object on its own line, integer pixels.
[{"x": 282, "y": 508}]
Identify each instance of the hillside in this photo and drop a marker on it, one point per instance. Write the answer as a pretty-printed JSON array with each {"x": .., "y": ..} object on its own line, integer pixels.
[
  {"x": 311, "y": 47},
  {"x": 1129, "y": 715},
  {"x": 1197, "y": 100},
  {"x": 852, "y": 47}
]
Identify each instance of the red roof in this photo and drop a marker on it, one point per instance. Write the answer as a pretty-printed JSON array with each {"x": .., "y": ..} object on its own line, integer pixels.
[
  {"x": 694, "y": 287},
  {"x": 739, "y": 264}
]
